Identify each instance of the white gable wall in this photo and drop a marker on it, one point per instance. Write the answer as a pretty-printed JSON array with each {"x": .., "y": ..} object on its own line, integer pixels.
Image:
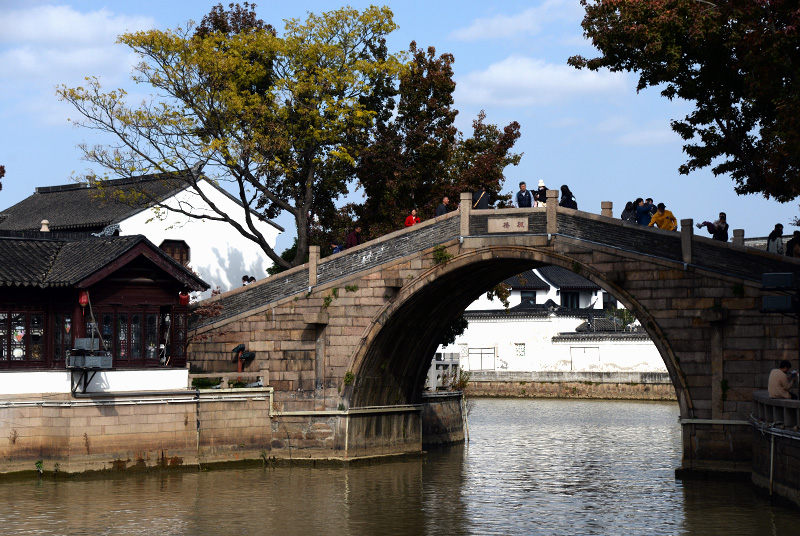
[{"x": 218, "y": 252}]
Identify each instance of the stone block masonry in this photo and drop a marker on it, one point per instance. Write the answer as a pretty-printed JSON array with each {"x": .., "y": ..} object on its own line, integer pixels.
[{"x": 363, "y": 335}]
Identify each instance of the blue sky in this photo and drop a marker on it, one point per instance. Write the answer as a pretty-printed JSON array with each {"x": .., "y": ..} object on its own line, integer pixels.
[{"x": 591, "y": 131}]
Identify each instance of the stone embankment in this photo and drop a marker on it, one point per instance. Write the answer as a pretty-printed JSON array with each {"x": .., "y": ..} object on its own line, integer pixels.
[{"x": 597, "y": 385}]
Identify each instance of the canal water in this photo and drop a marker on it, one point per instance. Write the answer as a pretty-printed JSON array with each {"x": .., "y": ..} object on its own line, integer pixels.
[{"x": 531, "y": 467}]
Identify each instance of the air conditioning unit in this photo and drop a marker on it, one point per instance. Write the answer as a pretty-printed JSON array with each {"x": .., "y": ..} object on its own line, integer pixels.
[{"x": 777, "y": 304}]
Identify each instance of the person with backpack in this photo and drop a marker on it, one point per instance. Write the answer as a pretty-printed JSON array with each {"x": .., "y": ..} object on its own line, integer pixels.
[{"x": 480, "y": 199}]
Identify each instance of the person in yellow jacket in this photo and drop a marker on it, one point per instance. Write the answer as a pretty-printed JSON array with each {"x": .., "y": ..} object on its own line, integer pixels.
[{"x": 664, "y": 219}]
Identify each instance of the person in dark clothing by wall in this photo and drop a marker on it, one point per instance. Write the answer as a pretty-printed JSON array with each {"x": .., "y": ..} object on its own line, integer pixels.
[
  {"x": 792, "y": 247},
  {"x": 354, "y": 238},
  {"x": 480, "y": 199},
  {"x": 524, "y": 197},
  {"x": 629, "y": 214},
  {"x": 567, "y": 199},
  {"x": 441, "y": 210}
]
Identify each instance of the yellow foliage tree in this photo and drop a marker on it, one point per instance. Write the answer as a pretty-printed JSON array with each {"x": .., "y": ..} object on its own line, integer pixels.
[{"x": 282, "y": 118}]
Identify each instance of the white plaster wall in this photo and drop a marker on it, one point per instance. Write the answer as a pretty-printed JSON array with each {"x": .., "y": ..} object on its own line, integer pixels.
[
  {"x": 541, "y": 354},
  {"x": 108, "y": 381},
  {"x": 218, "y": 252}
]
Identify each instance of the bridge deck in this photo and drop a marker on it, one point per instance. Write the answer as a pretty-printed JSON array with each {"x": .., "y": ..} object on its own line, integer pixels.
[{"x": 593, "y": 230}]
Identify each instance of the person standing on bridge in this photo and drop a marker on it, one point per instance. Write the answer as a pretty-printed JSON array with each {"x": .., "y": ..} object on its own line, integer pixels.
[
  {"x": 540, "y": 197},
  {"x": 413, "y": 219},
  {"x": 480, "y": 199},
  {"x": 793, "y": 245},
  {"x": 354, "y": 238},
  {"x": 775, "y": 240},
  {"x": 567, "y": 199},
  {"x": 664, "y": 219},
  {"x": 642, "y": 211},
  {"x": 524, "y": 197},
  {"x": 441, "y": 210},
  {"x": 629, "y": 214},
  {"x": 778, "y": 385}
]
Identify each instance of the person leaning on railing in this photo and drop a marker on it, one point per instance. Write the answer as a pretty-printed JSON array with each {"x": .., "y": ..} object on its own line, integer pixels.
[{"x": 779, "y": 381}]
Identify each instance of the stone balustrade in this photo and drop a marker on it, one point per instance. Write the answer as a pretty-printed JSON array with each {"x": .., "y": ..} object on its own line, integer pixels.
[{"x": 776, "y": 410}]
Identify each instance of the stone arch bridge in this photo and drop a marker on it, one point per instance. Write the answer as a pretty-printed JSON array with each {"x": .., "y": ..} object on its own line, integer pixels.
[{"x": 344, "y": 342}]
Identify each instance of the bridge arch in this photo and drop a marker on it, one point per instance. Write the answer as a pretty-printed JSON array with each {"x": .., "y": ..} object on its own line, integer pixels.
[{"x": 392, "y": 360}]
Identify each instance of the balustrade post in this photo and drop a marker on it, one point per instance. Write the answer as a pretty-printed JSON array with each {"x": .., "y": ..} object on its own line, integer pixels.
[
  {"x": 465, "y": 207},
  {"x": 738, "y": 237},
  {"x": 552, "y": 217},
  {"x": 687, "y": 232},
  {"x": 606, "y": 209},
  {"x": 313, "y": 261}
]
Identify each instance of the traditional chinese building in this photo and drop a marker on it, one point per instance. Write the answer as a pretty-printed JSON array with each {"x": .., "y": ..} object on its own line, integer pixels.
[{"x": 122, "y": 292}]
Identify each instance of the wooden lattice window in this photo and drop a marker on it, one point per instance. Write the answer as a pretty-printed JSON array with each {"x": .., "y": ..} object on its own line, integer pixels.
[{"x": 177, "y": 249}]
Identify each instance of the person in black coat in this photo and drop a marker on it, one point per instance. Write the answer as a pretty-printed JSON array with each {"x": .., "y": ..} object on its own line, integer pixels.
[
  {"x": 567, "y": 199},
  {"x": 441, "y": 210},
  {"x": 480, "y": 199}
]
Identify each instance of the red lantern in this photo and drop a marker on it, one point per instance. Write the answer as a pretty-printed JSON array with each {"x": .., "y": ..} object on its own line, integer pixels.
[
  {"x": 183, "y": 298},
  {"x": 83, "y": 297}
]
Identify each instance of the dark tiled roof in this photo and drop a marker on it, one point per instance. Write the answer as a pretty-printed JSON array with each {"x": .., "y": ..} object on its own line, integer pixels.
[
  {"x": 56, "y": 262},
  {"x": 565, "y": 279},
  {"x": 528, "y": 309},
  {"x": 80, "y": 207},
  {"x": 526, "y": 281}
]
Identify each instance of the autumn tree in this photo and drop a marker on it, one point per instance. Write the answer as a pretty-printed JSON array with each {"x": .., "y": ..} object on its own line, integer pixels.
[
  {"x": 280, "y": 117},
  {"x": 419, "y": 156},
  {"x": 737, "y": 61}
]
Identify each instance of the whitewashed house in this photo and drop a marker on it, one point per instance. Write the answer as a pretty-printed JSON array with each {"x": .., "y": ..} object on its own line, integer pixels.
[
  {"x": 213, "y": 249},
  {"x": 555, "y": 329}
]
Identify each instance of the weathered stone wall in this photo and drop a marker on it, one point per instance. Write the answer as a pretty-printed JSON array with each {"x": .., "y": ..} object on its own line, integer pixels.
[
  {"x": 442, "y": 419},
  {"x": 362, "y": 333},
  {"x": 783, "y": 452},
  {"x": 135, "y": 433},
  {"x": 601, "y": 391}
]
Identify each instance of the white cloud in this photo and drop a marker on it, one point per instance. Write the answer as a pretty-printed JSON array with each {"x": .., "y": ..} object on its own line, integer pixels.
[
  {"x": 45, "y": 46},
  {"x": 63, "y": 26},
  {"x": 521, "y": 81},
  {"x": 529, "y": 22}
]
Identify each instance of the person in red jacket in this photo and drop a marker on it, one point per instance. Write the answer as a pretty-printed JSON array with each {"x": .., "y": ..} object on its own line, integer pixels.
[
  {"x": 412, "y": 219},
  {"x": 354, "y": 238}
]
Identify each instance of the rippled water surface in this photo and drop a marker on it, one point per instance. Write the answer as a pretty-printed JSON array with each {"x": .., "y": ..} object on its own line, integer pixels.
[{"x": 531, "y": 467}]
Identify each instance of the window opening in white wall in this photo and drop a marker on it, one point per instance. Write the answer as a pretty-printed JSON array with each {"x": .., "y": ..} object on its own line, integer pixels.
[{"x": 481, "y": 358}]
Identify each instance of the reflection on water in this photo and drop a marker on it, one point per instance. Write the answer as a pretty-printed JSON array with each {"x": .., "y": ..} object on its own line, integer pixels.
[{"x": 532, "y": 467}]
